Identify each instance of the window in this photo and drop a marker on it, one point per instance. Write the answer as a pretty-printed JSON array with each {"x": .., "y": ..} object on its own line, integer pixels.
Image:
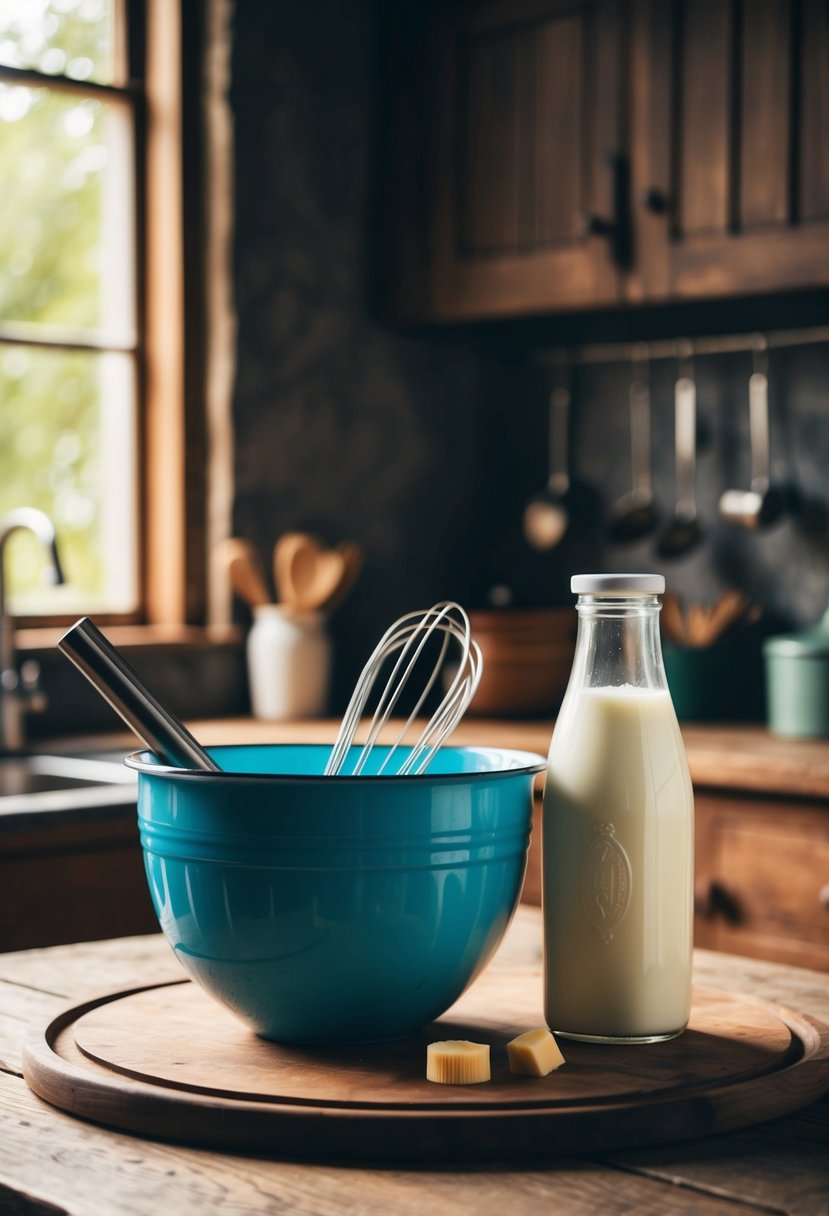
[
  {"x": 102, "y": 401},
  {"x": 68, "y": 287}
]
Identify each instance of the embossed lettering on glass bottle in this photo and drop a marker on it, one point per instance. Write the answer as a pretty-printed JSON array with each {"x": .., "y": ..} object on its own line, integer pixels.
[
  {"x": 606, "y": 880},
  {"x": 618, "y": 829}
]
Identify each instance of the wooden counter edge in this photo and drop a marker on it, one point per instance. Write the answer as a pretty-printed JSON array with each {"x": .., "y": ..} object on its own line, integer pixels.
[{"x": 746, "y": 758}]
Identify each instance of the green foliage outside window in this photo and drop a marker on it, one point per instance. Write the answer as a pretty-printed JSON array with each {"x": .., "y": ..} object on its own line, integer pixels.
[{"x": 54, "y": 151}]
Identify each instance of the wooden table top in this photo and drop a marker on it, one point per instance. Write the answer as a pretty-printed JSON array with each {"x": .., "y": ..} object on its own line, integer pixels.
[{"x": 53, "y": 1162}]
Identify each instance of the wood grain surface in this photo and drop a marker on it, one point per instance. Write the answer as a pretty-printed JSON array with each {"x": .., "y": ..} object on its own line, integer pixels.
[
  {"x": 169, "y": 1062},
  {"x": 52, "y": 1162},
  {"x": 150, "y": 1035}
]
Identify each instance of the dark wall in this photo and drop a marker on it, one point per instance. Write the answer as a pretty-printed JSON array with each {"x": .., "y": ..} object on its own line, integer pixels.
[
  {"x": 425, "y": 448},
  {"x": 342, "y": 427}
]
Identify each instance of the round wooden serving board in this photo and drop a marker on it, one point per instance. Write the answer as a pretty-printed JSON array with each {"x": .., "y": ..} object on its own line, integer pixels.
[{"x": 166, "y": 1061}]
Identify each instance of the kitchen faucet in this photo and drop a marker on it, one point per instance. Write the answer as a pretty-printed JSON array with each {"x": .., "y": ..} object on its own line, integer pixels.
[{"x": 18, "y": 689}]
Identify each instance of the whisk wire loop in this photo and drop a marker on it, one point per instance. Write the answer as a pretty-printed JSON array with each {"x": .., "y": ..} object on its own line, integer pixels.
[
  {"x": 445, "y": 718},
  {"x": 409, "y": 636},
  {"x": 430, "y": 625}
]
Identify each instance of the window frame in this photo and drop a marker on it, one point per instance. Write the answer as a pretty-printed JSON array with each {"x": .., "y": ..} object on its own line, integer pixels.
[{"x": 163, "y": 85}]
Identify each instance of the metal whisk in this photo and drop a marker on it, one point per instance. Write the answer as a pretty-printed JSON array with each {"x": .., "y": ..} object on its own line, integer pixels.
[{"x": 410, "y": 635}]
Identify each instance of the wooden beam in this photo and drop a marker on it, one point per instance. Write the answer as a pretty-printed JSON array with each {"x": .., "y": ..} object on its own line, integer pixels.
[{"x": 164, "y": 522}]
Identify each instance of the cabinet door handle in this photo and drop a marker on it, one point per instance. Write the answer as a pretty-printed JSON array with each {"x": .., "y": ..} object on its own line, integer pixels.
[
  {"x": 823, "y": 896},
  {"x": 655, "y": 200},
  {"x": 617, "y": 229},
  {"x": 595, "y": 225},
  {"x": 712, "y": 901}
]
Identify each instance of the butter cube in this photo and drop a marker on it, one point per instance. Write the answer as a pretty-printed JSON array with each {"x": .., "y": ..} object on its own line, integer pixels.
[
  {"x": 457, "y": 1062},
  {"x": 534, "y": 1053}
]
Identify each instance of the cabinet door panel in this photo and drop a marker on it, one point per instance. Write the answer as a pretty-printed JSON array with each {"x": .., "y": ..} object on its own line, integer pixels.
[
  {"x": 561, "y": 165},
  {"x": 526, "y": 110},
  {"x": 730, "y": 134},
  {"x": 490, "y": 120},
  {"x": 762, "y": 868},
  {"x": 814, "y": 110},
  {"x": 765, "y": 113},
  {"x": 701, "y": 163}
]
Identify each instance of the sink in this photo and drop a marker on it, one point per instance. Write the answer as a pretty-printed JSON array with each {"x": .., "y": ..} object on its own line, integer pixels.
[
  {"x": 34, "y": 774},
  {"x": 47, "y": 782}
]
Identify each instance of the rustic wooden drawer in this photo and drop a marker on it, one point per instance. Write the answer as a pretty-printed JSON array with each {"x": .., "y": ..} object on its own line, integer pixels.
[
  {"x": 762, "y": 878},
  {"x": 73, "y": 882}
]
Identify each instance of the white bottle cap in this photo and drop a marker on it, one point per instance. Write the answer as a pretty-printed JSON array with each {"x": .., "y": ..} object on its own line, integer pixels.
[{"x": 617, "y": 584}]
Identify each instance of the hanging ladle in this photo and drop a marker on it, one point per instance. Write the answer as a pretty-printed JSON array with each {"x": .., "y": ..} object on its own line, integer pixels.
[
  {"x": 547, "y": 516},
  {"x": 635, "y": 514},
  {"x": 108, "y": 671},
  {"x": 685, "y": 530},
  {"x": 762, "y": 505}
]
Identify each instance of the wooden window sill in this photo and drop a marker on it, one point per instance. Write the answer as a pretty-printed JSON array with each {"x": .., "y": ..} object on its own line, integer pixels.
[{"x": 138, "y": 637}]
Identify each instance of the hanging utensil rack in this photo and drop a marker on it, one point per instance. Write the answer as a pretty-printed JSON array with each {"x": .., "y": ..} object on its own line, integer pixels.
[{"x": 725, "y": 344}]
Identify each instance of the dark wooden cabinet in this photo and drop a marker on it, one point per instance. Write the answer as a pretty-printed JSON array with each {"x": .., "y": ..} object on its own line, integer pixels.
[
  {"x": 729, "y": 147},
  {"x": 584, "y": 154},
  {"x": 526, "y": 139},
  {"x": 762, "y": 877},
  {"x": 72, "y": 877}
]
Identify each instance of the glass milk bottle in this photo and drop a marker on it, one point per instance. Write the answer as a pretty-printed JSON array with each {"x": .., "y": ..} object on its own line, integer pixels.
[{"x": 618, "y": 835}]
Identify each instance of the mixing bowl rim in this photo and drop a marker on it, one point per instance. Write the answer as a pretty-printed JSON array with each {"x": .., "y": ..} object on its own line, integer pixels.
[{"x": 533, "y": 763}]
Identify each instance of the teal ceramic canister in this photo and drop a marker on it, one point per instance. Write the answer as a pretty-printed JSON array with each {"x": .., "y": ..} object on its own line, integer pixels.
[
  {"x": 797, "y": 682},
  {"x": 697, "y": 678},
  {"x": 335, "y": 909}
]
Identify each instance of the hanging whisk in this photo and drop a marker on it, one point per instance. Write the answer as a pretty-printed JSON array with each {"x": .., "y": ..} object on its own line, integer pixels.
[{"x": 410, "y": 635}]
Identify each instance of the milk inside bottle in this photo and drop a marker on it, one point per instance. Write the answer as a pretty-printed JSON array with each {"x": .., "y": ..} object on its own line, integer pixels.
[{"x": 618, "y": 829}]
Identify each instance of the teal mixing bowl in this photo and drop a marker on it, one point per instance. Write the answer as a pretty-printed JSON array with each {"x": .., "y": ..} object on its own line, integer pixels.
[{"x": 335, "y": 909}]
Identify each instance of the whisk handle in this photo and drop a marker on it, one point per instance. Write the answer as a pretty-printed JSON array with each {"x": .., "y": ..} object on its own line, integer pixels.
[{"x": 120, "y": 685}]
